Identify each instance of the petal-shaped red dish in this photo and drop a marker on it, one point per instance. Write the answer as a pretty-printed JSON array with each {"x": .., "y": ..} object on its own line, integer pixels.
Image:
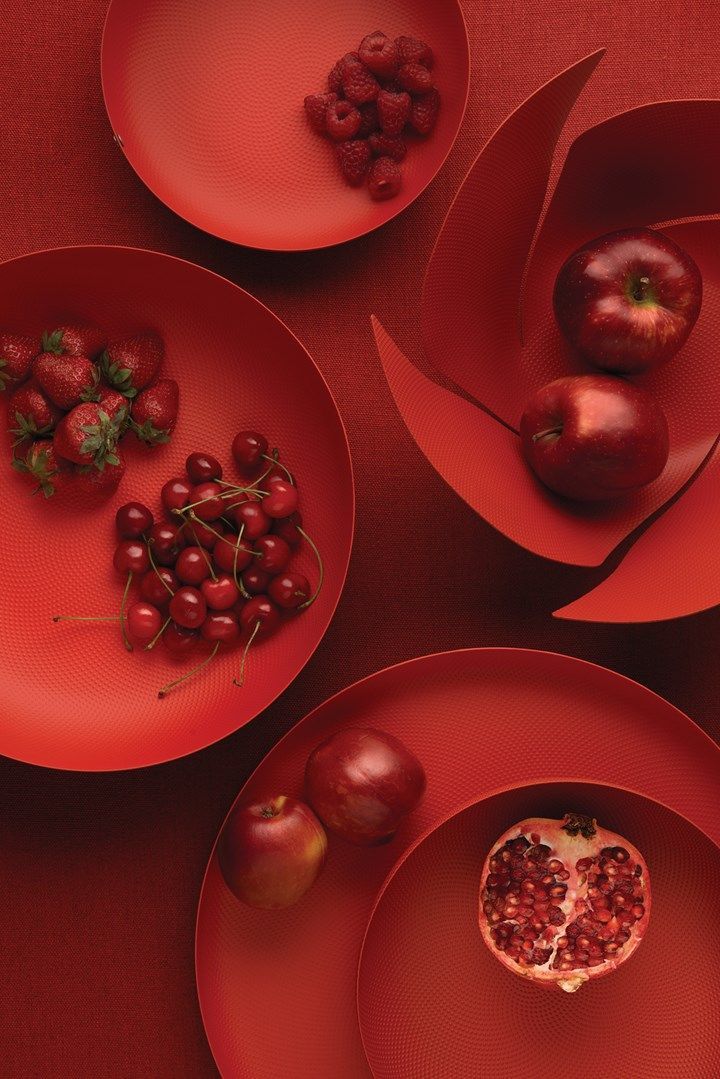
[
  {"x": 267, "y": 979},
  {"x": 208, "y": 108},
  {"x": 433, "y": 1002},
  {"x": 71, "y": 696}
]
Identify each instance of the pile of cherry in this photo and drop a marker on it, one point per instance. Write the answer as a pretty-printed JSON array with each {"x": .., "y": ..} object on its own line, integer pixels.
[
  {"x": 375, "y": 96},
  {"x": 216, "y": 569}
]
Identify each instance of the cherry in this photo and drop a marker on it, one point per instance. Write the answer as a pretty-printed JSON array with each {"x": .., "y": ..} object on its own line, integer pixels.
[
  {"x": 202, "y": 466},
  {"x": 221, "y": 626},
  {"x": 249, "y": 448},
  {"x": 179, "y": 640},
  {"x": 131, "y": 556},
  {"x": 288, "y": 529},
  {"x": 274, "y": 554},
  {"x": 230, "y": 556},
  {"x": 166, "y": 542},
  {"x": 133, "y": 519},
  {"x": 204, "y": 536},
  {"x": 282, "y": 499},
  {"x": 255, "y": 580},
  {"x": 279, "y": 472},
  {"x": 206, "y": 502},
  {"x": 289, "y": 590},
  {"x": 175, "y": 494},
  {"x": 252, "y": 518},
  {"x": 188, "y": 607},
  {"x": 220, "y": 595},
  {"x": 193, "y": 565},
  {"x": 157, "y": 586},
  {"x": 143, "y": 622},
  {"x": 259, "y": 617}
]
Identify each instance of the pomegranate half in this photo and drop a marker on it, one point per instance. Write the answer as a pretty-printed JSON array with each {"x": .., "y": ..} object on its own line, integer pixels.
[{"x": 563, "y": 901}]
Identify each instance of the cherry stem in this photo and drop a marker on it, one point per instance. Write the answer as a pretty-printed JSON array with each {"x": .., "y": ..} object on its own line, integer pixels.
[
  {"x": 276, "y": 461},
  {"x": 159, "y": 634},
  {"x": 238, "y": 580},
  {"x": 205, "y": 555},
  {"x": 157, "y": 571},
  {"x": 240, "y": 680},
  {"x": 188, "y": 674},
  {"x": 321, "y": 569},
  {"x": 86, "y": 618},
  {"x": 126, "y": 640}
]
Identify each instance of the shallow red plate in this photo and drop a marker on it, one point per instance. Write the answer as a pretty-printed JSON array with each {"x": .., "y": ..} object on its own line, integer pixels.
[
  {"x": 208, "y": 108},
  {"x": 433, "y": 1003},
  {"x": 71, "y": 696},
  {"x": 277, "y": 989}
]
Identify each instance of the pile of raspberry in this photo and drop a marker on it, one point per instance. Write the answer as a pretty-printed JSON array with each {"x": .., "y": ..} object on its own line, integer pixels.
[{"x": 375, "y": 96}]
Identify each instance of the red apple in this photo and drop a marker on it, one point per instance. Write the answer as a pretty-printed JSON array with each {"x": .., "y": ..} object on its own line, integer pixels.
[
  {"x": 628, "y": 301},
  {"x": 594, "y": 437},
  {"x": 361, "y": 783},
  {"x": 270, "y": 852}
]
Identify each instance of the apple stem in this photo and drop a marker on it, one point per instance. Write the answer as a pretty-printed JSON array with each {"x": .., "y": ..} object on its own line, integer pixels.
[{"x": 547, "y": 433}]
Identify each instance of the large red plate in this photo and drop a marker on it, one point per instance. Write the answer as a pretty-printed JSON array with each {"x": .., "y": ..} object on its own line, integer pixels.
[
  {"x": 71, "y": 696},
  {"x": 277, "y": 989},
  {"x": 208, "y": 107},
  {"x": 434, "y": 1004}
]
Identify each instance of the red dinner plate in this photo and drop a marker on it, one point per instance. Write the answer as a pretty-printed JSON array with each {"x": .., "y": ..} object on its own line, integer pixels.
[
  {"x": 71, "y": 696},
  {"x": 277, "y": 989},
  {"x": 206, "y": 100},
  {"x": 434, "y": 1004}
]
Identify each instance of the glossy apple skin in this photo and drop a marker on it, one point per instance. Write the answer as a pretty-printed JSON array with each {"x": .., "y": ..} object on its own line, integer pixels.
[
  {"x": 271, "y": 852},
  {"x": 594, "y": 437},
  {"x": 627, "y": 301},
  {"x": 362, "y": 782}
]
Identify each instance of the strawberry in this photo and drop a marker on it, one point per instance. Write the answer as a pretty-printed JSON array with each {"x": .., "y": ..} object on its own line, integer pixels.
[
  {"x": 155, "y": 412},
  {"x": 131, "y": 364},
  {"x": 16, "y": 356},
  {"x": 424, "y": 112},
  {"x": 97, "y": 483},
  {"x": 30, "y": 413},
  {"x": 75, "y": 340},
  {"x": 66, "y": 380},
  {"x": 88, "y": 436},
  {"x": 393, "y": 111},
  {"x": 354, "y": 157},
  {"x": 112, "y": 401},
  {"x": 41, "y": 467}
]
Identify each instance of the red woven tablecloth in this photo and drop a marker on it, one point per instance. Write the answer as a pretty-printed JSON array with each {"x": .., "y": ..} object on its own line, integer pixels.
[{"x": 100, "y": 874}]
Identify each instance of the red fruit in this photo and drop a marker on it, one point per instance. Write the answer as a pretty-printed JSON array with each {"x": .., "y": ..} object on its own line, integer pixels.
[
  {"x": 361, "y": 783},
  {"x": 205, "y": 535},
  {"x": 221, "y": 594},
  {"x": 75, "y": 340},
  {"x": 203, "y": 466},
  {"x": 92, "y": 482},
  {"x": 369, "y": 120},
  {"x": 113, "y": 403},
  {"x": 249, "y": 449},
  {"x": 289, "y": 590},
  {"x": 271, "y": 852},
  {"x": 210, "y": 504},
  {"x": 385, "y": 179},
  {"x": 30, "y": 413},
  {"x": 131, "y": 364},
  {"x": 193, "y": 565},
  {"x": 155, "y": 411},
  {"x": 41, "y": 467},
  {"x": 229, "y": 556},
  {"x": 380, "y": 54},
  {"x": 88, "y": 436},
  {"x": 220, "y": 626},
  {"x": 393, "y": 111},
  {"x": 188, "y": 607},
  {"x": 259, "y": 616},
  {"x": 175, "y": 494},
  {"x": 359, "y": 85},
  {"x": 335, "y": 79},
  {"x": 342, "y": 121},
  {"x": 252, "y": 519},
  {"x": 273, "y": 554},
  {"x": 424, "y": 112},
  {"x": 143, "y": 622},
  {"x": 131, "y": 556},
  {"x": 282, "y": 500},
  {"x": 354, "y": 157},
  {"x": 158, "y": 585},
  {"x": 255, "y": 580},
  {"x": 316, "y": 106},
  {"x": 16, "y": 356},
  {"x": 66, "y": 380},
  {"x": 166, "y": 542},
  {"x": 179, "y": 640},
  {"x": 410, "y": 50},
  {"x": 552, "y": 884},
  {"x": 415, "y": 78},
  {"x": 133, "y": 520},
  {"x": 383, "y": 145},
  {"x": 288, "y": 529}
]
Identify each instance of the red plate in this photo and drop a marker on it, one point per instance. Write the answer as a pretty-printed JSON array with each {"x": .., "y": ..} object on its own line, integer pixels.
[
  {"x": 433, "y": 1002},
  {"x": 277, "y": 989},
  {"x": 71, "y": 696},
  {"x": 208, "y": 108}
]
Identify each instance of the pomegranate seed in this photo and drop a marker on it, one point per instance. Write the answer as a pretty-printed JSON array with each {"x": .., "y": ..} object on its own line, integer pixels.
[
  {"x": 555, "y": 865},
  {"x": 583, "y": 865},
  {"x": 594, "y": 961},
  {"x": 527, "y": 886},
  {"x": 603, "y": 915},
  {"x": 638, "y": 870},
  {"x": 563, "y": 874}
]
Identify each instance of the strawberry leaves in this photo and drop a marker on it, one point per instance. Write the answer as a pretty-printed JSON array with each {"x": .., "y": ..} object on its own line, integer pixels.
[
  {"x": 40, "y": 465},
  {"x": 100, "y": 440},
  {"x": 149, "y": 434},
  {"x": 117, "y": 376},
  {"x": 52, "y": 342}
]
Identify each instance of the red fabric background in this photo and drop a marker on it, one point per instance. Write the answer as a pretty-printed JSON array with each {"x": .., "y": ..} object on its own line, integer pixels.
[{"x": 101, "y": 874}]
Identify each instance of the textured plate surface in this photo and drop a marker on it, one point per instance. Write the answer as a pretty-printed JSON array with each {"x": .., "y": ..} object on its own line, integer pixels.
[
  {"x": 434, "y": 1004},
  {"x": 277, "y": 989},
  {"x": 207, "y": 100},
  {"x": 71, "y": 696}
]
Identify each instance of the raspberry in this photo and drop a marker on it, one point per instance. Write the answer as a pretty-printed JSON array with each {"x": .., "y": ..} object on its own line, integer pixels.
[
  {"x": 334, "y": 79},
  {"x": 316, "y": 106},
  {"x": 412, "y": 51},
  {"x": 342, "y": 120},
  {"x": 385, "y": 179},
  {"x": 393, "y": 110},
  {"x": 354, "y": 158},
  {"x": 424, "y": 112},
  {"x": 383, "y": 145},
  {"x": 359, "y": 85},
  {"x": 369, "y": 120},
  {"x": 415, "y": 78},
  {"x": 380, "y": 54}
]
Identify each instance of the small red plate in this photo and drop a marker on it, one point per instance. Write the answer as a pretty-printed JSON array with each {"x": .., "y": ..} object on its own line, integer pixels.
[
  {"x": 71, "y": 696},
  {"x": 432, "y": 1001},
  {"x": 208, "y": 108},
  {"x": 277, "y": 989}
]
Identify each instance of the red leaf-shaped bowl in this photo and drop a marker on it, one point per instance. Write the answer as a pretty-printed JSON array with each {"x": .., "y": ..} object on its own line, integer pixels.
[{"x": 488, "y": 325}]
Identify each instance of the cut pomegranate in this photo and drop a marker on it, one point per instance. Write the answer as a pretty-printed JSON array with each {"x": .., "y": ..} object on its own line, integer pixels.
[{"x": 562, "y": 902}]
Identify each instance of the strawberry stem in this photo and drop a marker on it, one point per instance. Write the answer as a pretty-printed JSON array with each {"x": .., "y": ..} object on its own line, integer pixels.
[{"x": 188, "y": 674}]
